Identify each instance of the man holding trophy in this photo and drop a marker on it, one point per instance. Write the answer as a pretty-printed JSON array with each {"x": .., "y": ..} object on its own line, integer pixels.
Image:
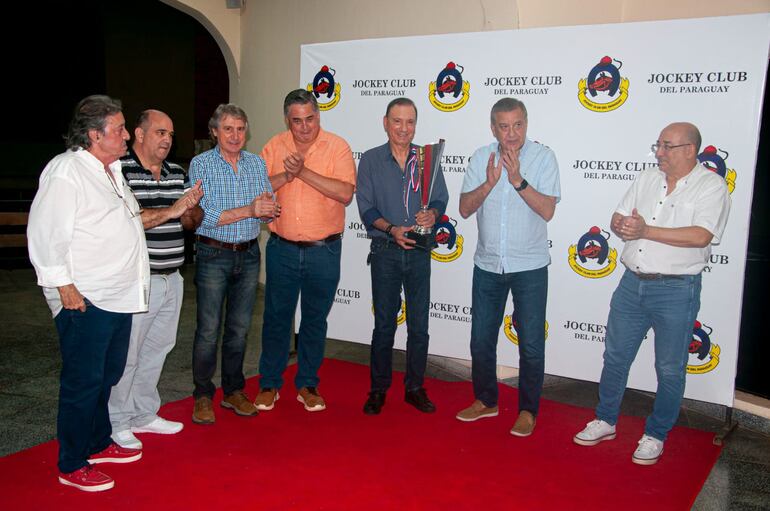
[{"x": 400, "y": 193}]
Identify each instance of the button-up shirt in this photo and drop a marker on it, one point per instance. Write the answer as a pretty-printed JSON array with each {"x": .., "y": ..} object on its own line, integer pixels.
[
  {"x": 384, "y": 191},
  {"x": 512, "y": 237},
  {"x": 84, "y": 229},
  {"x": 306, "y": 213},
  {"x": 699, "y": 199},
  {"x": 224, "y": 189}
]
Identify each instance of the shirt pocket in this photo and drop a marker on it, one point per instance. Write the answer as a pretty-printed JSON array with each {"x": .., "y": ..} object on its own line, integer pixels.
[{"x": 683, "y": 214}]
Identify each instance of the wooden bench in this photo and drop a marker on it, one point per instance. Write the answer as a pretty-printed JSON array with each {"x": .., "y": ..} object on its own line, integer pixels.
[{"x": 7, "y": 223}]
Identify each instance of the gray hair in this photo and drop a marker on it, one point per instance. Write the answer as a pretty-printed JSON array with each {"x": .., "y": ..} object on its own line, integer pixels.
[
  {"x": 228, "y": 109},
  {"x": 507, "y": 105},
  {"x": 299, "y": 97},
  {"x": 90, "y": 114}
]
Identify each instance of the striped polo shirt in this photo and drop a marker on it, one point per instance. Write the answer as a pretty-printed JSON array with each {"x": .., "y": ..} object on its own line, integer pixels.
[{"x": 165, "y": 242}]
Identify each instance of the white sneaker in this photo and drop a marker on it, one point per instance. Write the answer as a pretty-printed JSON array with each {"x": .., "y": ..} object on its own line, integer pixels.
[
  {"x": 160, "y": 426},
  {"x": 126, "y": 439},
  {"x": 648, "y": 452},
  {"x": 595, "y": 431}
]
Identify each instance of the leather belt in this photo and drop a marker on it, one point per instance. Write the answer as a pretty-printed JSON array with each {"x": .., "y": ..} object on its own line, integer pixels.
[
  {"x": 656, "y": 276},
  {"x": 235, "y": 247},
  {"x": 308, "y": 244},
  {"x": 162, "y": 271}
]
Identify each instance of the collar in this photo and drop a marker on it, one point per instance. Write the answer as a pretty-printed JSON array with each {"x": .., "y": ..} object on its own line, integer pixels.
[
  {"x": 218, "y": 151},
  {"x": 164, "y": 168}
]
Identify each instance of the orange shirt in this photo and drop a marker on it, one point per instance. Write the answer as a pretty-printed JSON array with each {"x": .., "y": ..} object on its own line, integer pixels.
[{"x": 307, "y": 214}]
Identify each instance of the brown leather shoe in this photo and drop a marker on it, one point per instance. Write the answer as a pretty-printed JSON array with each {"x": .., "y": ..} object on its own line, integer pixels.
[
  {"x": 240, "y": 404},
  {"x": 266, "y": 399},
  {"x": 203, "y": 412},
  {"x": 477, "y": 410},
  {"x": 524, "y": 424},
  {"x": 312, "y": 400}
]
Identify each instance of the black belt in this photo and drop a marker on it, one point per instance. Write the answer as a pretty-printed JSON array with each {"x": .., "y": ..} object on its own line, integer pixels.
[
  {"x": 162, "y": 271},
  {"x": 236, "y": 247},
  {"x": 308, "y": 244},
  {"x": 656, "y": 276}
]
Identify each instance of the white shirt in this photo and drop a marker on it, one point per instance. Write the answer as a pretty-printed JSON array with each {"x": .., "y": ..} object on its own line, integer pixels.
[
  {"x": 699, "y": 199},
  {"x": 86, "y": 230}
]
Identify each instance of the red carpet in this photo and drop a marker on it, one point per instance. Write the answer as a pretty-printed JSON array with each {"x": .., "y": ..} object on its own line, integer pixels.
[{"x": 341, "y": 459}]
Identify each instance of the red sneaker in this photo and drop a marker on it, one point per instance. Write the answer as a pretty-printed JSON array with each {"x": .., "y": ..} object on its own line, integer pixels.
[
  {"x": 115, "y": 454},
  {"x": 87, "y": 479}
]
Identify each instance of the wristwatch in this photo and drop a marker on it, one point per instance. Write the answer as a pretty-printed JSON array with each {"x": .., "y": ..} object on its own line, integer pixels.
[
  {"x": 389, "y": 228},
  {"x": 522, "y": 186}
]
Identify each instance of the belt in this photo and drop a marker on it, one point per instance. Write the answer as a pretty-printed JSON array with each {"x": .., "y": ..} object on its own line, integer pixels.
[
  {"x": 385, "y": 242},
  {"x": 235, "y": 247},
  {"x": 308, "y": 244},
  {"x": 163, "y": 271},
  {"x": 656, "y": 276}
]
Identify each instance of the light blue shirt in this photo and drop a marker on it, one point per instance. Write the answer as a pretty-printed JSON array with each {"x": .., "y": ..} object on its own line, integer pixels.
[
  {"x": 512, "y": 237},
  {"x": 225, "y": 189}
]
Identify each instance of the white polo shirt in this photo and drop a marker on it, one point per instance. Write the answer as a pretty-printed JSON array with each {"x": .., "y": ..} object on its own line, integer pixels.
[{"x": 699, "y": 199}]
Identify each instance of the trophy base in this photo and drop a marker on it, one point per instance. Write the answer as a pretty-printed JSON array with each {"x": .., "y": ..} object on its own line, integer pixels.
[{"x": 425, "y": 242}]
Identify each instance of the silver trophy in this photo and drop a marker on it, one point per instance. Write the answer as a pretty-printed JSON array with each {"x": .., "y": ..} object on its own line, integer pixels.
[{"x": 428, "y": 162}]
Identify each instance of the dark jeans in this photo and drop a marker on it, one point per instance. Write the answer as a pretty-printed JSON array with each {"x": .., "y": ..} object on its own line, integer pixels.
[
  {"x": 292, "y": 271},
  {"x": 93, "y": 345},
  {"x": 529, "y": 290},
  {"x": 223, "y": 276},
  {"x": 393, "y": 267}
]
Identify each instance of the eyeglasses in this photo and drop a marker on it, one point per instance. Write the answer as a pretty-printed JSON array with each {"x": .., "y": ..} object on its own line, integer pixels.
[
  {"x": 121, "y": 197},
  {"x": 666, "y": 147}
]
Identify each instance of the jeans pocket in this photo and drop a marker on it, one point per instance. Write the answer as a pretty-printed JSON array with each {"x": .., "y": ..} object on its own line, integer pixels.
[
  {"x": 254, "y": 250},
  {"x": 206, "y": 252},
  {"x": 674, "y": 283},
  {"x": 377, "y": 246},
  {"x": 335, "y": 247}
]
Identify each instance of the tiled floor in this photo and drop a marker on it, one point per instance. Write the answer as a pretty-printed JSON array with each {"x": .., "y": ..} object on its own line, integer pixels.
[{"x": 29, "y": 365}]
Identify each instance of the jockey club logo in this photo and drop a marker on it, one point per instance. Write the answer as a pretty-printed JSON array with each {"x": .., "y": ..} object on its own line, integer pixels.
[
  {"x": 592, "y": 257},
  {"x": 604, "y": 89},
  {"x": 511, "y": 323},
  {"x": 704, "y": 355},
  {"x": 325, "y": 88},
  {"x": 401, "y": 311},
  {"x": 449, "y": 92},
  {"x": 450, "y": 244},
  {"x": 715, "y": 162}
]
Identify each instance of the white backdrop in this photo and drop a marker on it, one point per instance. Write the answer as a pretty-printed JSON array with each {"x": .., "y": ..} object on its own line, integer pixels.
[{"x": 707, "y": 71}]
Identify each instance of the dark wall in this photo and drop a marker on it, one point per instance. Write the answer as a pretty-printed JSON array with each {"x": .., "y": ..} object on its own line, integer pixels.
[
  {"x": 150, "y": 63},
  {"x": 143, "y": 52}
]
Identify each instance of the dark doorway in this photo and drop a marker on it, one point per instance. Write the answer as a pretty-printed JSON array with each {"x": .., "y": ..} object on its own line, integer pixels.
[{"x": 143, "y": 52}]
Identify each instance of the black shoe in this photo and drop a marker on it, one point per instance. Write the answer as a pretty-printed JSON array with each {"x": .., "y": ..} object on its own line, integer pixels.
[
  {"x": 375, "y": 402},
  {"x": 419, "y": 399}
]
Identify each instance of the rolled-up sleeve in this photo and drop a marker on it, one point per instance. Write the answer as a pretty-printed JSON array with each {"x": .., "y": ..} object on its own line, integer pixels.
[{"x": 50, "y": 230}]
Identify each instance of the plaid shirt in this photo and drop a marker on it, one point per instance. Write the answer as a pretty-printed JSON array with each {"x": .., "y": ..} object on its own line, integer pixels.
[{"x": 225, "y": 189}]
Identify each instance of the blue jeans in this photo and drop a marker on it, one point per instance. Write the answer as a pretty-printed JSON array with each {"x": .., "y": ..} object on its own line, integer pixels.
[
  {"x": 223, "y": 275},
  {"x": 529, "y": 290},
  {"x": 393, "y": 267},
  {"x": 669, "y": 306},
  {"x": 93, "y": 345},
  {"x": 292, "y": 271}
]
